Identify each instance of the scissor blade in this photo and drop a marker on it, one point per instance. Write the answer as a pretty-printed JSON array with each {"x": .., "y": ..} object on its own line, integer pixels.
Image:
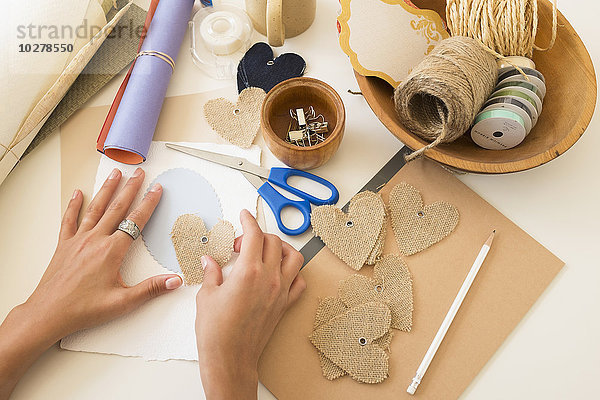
[
  {"x": 253, "y": 179},
  {"x": 241, "y": 164}
]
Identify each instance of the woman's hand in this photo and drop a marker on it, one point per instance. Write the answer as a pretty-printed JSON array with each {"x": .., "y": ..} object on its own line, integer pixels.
[
  {"x": 235, "y": 319},
  {"x": 82, "y": 287}
]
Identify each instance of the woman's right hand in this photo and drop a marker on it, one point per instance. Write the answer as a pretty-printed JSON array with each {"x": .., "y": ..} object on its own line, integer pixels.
[{"x": 236, "y": 318}]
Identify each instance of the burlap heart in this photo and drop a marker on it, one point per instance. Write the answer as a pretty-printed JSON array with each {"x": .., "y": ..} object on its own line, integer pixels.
[
  {"x": 391, "y": 284},
  {"x": 192, "y": 240},
  {"x": 348, "y": 341},
  {"x": 379, "y": 243},
  {"x": 329, "y": 308},
  {"x": 237, "y": 123},
  {"x": 415, "y": 226},
  {"x": 352, "y": 236}
]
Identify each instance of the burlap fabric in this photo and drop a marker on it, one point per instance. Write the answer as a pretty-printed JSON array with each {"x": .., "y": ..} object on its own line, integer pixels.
[
  {"x": 351, "y": 236},
  {"x": 349, "y": 341},
  {"x": 192, "y": 240},
  {"x": 379, "y": 243},
  {"x": 237, "y": 123},
  {"x": 391, "y": 284},
  {"x": 417, "y": 227},
  {"x": 329, "y": 308}
]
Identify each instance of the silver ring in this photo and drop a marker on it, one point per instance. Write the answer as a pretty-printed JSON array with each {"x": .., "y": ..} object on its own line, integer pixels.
[{"x": 130, "y": 228}]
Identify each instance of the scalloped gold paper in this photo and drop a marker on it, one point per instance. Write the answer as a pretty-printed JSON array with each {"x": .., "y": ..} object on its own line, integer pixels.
[{"x": 387, "y": 38}]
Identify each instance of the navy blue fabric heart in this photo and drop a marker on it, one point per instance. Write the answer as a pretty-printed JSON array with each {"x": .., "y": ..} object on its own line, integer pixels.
[{"x": 258, "y": 68}]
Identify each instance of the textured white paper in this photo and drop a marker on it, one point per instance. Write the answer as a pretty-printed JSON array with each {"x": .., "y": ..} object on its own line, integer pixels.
[{"x": 163, "y": 328}]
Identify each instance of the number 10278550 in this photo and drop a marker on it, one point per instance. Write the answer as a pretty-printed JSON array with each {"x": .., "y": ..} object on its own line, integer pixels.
[{"x": 45, "y": 48}]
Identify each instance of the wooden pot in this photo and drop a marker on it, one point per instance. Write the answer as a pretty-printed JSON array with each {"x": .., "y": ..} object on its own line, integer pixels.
[{"x": 275, "y": 120}]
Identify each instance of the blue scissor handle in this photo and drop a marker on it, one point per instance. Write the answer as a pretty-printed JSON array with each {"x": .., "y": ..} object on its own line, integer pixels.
[
  {"x": 277, "y": 202},
  {"x": 279, "y": 177}
]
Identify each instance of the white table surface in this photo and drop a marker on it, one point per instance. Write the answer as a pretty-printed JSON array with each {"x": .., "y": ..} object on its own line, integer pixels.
[{"x": 554, "y": 353}]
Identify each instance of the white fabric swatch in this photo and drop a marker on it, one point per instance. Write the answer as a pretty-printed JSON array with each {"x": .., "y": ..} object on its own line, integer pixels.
[{"x": 163, "y": 328}]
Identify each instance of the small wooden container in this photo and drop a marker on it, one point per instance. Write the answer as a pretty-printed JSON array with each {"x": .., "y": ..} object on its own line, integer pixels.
[{"x": 275, "y": 118}]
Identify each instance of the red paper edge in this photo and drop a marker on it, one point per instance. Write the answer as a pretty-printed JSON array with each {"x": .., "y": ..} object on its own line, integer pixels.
[{"x": 115, "y": 104}]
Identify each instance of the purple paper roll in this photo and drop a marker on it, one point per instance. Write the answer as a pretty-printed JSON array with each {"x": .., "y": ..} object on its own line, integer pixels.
[{"x": 132, "y": 129}]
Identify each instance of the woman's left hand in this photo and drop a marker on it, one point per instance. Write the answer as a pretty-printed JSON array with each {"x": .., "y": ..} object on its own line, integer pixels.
[{"x": 82, "y": 287}]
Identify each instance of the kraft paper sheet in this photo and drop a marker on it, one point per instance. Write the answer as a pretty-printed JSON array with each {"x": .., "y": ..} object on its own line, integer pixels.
[{"x": 517, "y": 270}]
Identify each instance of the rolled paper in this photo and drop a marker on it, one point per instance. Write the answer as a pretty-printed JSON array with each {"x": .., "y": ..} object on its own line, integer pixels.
[{"x": 130, "y": 134}]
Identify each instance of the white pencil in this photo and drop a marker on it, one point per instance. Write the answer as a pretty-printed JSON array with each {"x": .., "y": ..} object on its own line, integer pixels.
[{"x": 450, "y": 316}]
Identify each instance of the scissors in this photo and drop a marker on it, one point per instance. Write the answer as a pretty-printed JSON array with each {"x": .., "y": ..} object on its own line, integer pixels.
[{"x": 261, "y": 178}]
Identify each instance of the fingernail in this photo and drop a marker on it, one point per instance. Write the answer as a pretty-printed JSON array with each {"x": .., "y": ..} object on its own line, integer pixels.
[
  {"x": 137, "y": 172},
  {"x": 204, "y": 261},
  {"x": 114, "y": 174},
  {"x": 173, "y": 283},
  {"x": 156, "y": 187},
  {"x": 75, "y": 194}
]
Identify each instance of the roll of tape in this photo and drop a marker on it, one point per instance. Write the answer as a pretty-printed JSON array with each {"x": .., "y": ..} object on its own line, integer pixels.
[
  {"x": 523, "y": 84},
  {"x": 222, "y": 32},
  {"x": 528, "y": 71},
  {"x": 532, "y": 76},
  {"x": 530, "y": 79},
  {"x": 527, "y": 99},
  {"x": 532, "y": 112},
  {"x": 527, "y": 94},
  {"x": 508, "y": 103},
  {"x": 498, "y": 129}
]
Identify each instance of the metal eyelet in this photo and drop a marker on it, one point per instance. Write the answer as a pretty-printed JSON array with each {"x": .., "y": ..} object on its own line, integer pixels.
[
  {"x": 204, "y": 239},
  {"x": 236, "y": 111},
  {"x": 420, "y": 214},
  {"x": 362, "y": 341},
  {"x": 379, "y": 288},
  {"x": 270, "y": 62},
  {"x": 349, "y": 224}
]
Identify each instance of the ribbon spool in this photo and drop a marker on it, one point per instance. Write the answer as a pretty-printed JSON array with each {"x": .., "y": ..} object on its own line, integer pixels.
[
  {"x": 498, "y": 129},
  {"x": 513, "y": 105},
  {"x": 520, "y": 103}
]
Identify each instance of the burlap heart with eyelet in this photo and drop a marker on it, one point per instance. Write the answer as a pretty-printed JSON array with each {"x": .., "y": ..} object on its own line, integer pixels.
[
  {"x": 192, "y": 240},
  {"x": 391, "y": 284},
  {"x": 329, "y": 308},
  {"x": 417, "y": 227},
  {"x": 348, "y": 340},
  {"x": 237, "y": 123},
  {"x": 351, "y": 236}
]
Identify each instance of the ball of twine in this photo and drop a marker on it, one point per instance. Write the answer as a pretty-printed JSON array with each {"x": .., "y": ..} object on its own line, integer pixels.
[
  {"x": 441, "y": 96},
  {"x": 506, "y": 27}
]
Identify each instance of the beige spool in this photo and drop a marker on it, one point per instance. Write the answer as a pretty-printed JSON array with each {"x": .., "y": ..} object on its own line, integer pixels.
[{"x": 441, "y": 96}]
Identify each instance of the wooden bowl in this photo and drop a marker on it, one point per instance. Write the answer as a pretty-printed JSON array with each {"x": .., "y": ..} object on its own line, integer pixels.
[
  {"x": 275, "y": 119},
  {"x": 568, "y": 105}
]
